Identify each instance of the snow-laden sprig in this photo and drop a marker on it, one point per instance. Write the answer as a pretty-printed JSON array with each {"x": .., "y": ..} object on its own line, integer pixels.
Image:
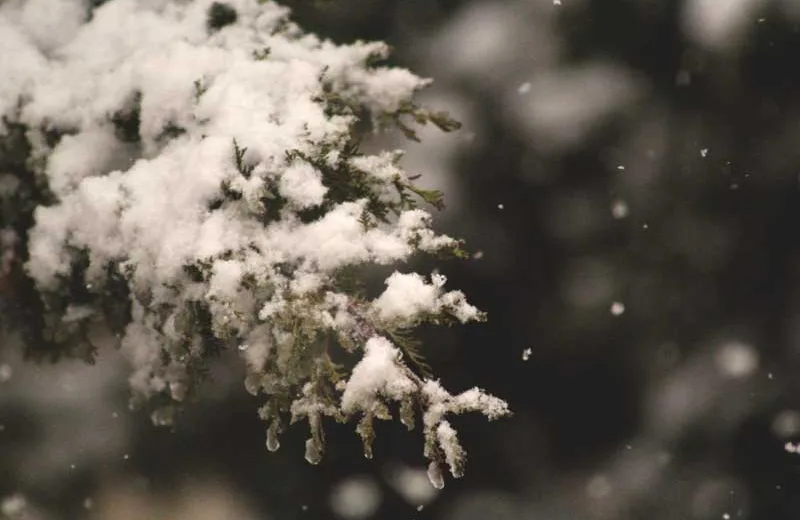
[
  {"x": 201, "y": 188},
  {"x": 381, "y": 377}
]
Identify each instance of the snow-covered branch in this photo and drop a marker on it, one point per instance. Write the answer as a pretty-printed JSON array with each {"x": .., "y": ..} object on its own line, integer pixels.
[{"x": 197, "y": 183}]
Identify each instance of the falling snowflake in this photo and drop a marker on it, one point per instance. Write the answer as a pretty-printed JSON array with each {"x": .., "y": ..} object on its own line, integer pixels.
[
  {"x": 619, "y": 209},
  {"x": 5, "y": 373}
]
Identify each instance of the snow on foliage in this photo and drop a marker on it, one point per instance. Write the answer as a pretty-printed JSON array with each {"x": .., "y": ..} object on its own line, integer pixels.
[{"x": 203, "y": 181}]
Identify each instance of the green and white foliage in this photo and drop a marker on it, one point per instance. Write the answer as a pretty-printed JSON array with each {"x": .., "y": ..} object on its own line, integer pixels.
[{"x": 199, "y": 187}]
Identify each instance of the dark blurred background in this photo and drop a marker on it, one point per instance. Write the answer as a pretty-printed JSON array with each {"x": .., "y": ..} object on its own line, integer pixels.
[{"x": 627, "y": 179}]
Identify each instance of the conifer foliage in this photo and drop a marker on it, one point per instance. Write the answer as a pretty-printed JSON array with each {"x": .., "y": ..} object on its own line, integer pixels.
[{"x": 189, "y": 175}]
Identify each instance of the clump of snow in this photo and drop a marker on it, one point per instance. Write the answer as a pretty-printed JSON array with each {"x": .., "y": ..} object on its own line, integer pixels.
[
  {"x": 227, "y": 275},
  {"x": 50, "y": 24},
  {"x": 21, "y": 60},
  {"x": 82, "y": 155},
  {"x": 301, "y": 183},
  {"x": 383, "y": 166},
  {"x": 378, "y": 373},
  {"x": 408, "y": 296}
]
